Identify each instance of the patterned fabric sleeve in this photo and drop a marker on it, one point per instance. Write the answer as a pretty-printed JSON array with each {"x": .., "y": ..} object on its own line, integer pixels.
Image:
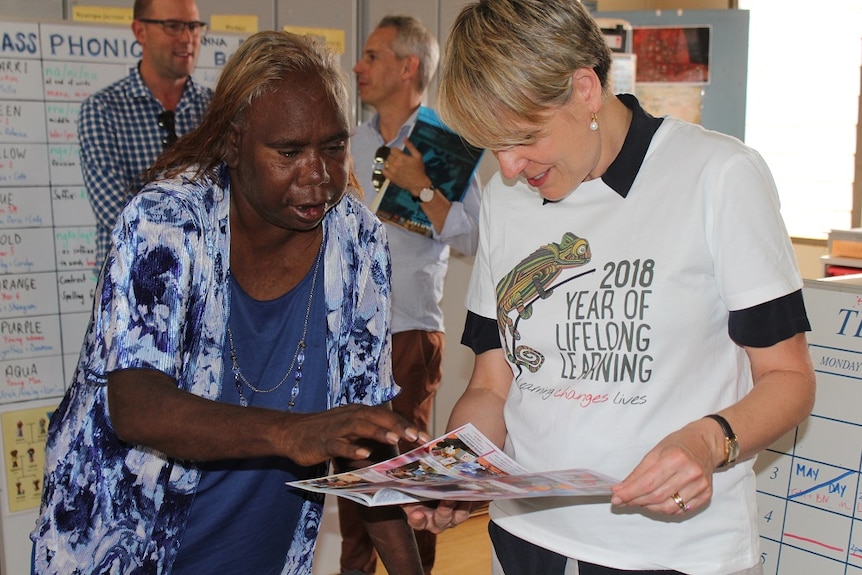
[
  {"x": 153, "y": 274},
  {"x": 358, "y": 299},
  {"x": 106, "y": 506}
]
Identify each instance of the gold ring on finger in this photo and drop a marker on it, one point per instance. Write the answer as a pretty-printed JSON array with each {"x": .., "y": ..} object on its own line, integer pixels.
[{"x": 680, "y": 502}]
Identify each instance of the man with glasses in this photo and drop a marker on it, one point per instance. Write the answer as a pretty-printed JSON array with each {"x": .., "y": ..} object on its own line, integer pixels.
[
  {"x": 124, "y": 127},
  {"x": 397, "y": 65}
]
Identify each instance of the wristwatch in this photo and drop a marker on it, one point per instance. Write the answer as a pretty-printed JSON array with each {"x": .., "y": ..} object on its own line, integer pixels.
[
  {"x": 426, "y": 195},
  {"x": 731, "y": 443}
]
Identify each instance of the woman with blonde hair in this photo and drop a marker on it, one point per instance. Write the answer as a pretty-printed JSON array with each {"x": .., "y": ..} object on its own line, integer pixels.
[{"x": 635, "y": 306}]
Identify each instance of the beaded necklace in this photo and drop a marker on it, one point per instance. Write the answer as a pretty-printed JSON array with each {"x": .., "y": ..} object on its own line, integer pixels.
[{"x": 298, "y": 355}]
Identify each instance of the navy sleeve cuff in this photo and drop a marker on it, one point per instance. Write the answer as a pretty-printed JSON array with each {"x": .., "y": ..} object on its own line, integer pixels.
[
  {"x": 480, "y": 333},
  {"x": 769, "y": 323}
]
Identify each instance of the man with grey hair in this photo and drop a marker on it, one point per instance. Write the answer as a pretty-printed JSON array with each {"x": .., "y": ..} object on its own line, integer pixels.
[{"x": 397, "y": 65}]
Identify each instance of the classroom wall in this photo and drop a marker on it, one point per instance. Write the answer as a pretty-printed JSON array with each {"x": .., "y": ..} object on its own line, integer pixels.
[
  {"x": 808, "y": 253},
  {"x": 45, "y": 9},
  {"x": 356, "y": 18},
  {"x": 624, "y": 5}
]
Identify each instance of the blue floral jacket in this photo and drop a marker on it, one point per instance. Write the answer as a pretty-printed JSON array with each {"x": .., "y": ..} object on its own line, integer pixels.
[{"x": 162, "y": 302}]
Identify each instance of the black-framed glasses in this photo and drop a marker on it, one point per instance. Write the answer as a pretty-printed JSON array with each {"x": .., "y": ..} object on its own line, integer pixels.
[
  {"x": 167, "y": 122},
  {"x": 377, "y": 177},
  {"x": 177, "y": 27}
]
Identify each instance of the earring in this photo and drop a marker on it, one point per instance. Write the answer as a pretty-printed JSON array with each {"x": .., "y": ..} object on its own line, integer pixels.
[{"x": 594, "y": 124}]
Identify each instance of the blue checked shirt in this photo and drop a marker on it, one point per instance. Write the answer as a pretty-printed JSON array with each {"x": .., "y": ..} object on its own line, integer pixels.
[{"x": 120, "y": 138}]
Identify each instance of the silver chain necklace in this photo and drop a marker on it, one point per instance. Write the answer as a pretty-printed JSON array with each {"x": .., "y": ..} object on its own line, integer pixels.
[{"x": 298, "y": 355}]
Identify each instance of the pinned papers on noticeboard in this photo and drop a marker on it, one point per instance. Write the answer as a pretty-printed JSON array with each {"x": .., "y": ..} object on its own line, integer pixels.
[{"x": 24, "y": 435}]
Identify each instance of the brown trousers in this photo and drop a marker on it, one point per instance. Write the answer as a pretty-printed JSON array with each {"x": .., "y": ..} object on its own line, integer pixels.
[{"x": 416, "y": 365}]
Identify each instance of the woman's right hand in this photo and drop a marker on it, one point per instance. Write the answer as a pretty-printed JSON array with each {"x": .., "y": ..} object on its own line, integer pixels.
[{"x": 345, "y": 432}]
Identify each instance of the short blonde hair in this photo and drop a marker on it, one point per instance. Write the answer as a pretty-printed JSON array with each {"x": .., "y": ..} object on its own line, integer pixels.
[{"x": 507, "y": 63}]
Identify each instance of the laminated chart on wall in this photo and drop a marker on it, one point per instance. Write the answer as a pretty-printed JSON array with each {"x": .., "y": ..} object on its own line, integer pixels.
[
  {"x": 809, "y": 481},
  {"x": 24, "y": 435},
  {"x": 47, "y": 229}
]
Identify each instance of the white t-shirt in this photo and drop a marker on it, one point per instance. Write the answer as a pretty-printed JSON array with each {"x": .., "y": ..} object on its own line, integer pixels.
[{"x": 615, "y": 322}]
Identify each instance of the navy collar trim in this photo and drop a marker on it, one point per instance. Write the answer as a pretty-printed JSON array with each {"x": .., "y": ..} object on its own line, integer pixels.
[{"x": 621, "y": 174}]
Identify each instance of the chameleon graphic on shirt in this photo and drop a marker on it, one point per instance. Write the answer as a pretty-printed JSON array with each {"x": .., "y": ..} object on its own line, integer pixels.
[{"x": 530, "y": 281}]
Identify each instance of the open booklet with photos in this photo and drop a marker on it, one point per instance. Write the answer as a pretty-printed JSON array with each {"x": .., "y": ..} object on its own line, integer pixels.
[{"x": 462, "y": 465}]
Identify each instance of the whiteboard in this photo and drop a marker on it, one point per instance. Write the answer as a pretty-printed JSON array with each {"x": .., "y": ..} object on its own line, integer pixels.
[
  {"x": 47, "y": 229},
  {"x": 808, "y": 482}
]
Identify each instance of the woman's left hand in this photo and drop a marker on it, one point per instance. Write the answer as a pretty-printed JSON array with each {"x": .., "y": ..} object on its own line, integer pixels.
[
  {"x": 675, "y": 477},
  {"x": 440, "y": 516}
]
